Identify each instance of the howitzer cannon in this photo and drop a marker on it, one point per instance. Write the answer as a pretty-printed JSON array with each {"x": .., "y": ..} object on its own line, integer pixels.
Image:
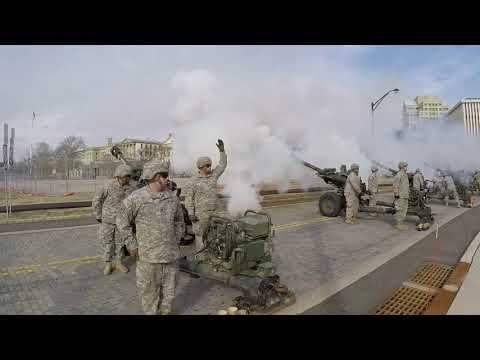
[
  {"x": 463, "y": 181},
  {"x": 332, "y": 203},
  {"x": 238, "y": 252},
  {"x": 417, "y": 200}
]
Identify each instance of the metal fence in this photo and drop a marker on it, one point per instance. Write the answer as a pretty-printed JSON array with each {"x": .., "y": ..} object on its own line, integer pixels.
[
  {"x": 52, "y": 186},
  {"x": 29, "y": 184}
]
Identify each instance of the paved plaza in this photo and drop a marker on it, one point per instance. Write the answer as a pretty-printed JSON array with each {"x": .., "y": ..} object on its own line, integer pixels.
[{"x": 59, "y": 271}]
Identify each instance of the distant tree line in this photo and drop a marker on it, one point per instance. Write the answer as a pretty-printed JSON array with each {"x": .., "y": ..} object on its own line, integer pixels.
[{"x": 45, "y": 158}]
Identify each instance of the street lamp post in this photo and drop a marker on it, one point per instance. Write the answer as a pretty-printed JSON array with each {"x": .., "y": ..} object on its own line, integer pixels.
[{"x": 374, "y": 106}]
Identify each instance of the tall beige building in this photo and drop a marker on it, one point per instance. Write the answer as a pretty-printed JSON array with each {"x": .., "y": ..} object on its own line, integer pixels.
[
  {"x": 424, "y": 108},
  {"x": 467, "y": 111}
]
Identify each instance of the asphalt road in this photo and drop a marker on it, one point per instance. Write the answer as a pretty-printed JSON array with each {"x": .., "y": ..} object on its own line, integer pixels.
[{"x": 59, "y": 271}]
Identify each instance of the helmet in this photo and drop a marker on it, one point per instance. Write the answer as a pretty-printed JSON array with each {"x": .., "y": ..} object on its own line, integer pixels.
[
  {"x": 123, "y": 170},
  {"x": 203, "y": 161},
  {"x": 418, "y": 170},
  {"x": 354, "y": 167},
  {"x": 402, "y": 164},
  {"x": 151, "y": 168},
  {"x": 374, "y": 168}
]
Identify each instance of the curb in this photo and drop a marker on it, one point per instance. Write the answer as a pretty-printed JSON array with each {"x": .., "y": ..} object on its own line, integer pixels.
[{"x": 442, "y": 303}]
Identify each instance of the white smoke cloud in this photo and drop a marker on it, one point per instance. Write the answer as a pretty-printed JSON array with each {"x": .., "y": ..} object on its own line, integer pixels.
[{"x": 326, "y": 119}]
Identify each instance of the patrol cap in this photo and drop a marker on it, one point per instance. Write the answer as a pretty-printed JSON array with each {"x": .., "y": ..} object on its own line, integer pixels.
[
  {"x": 418, "y": 170},
  {"x": 151, "y": 168},
  {"x": 203, "y": 161},
  {"x": 354, "y": 167},
  {"x": 123, "y": 170},
  {"x": 402, "y": 164}
]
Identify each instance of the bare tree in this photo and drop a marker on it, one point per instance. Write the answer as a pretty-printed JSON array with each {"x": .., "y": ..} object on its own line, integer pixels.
[
  {"x": 67, "y": 152},
  {"x": 42, "y": 156}
]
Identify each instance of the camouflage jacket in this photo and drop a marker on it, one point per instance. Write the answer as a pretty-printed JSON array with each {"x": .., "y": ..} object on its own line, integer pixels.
[
  {"x": 418, "y": 181},
  {"x": 201, "y": 191},
  {"x": 476, "y": 179},
  {"x": 373, "y": 183},
  {"x": 401, "y": 185},
  {"x": 352, "y": 186},
  {"x": 108, "y": 200},
  {"x": 159, "y": 222},
  {"x": 449, "y": 183}
]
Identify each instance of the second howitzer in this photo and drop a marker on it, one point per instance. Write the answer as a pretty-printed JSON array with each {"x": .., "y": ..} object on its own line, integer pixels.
[
  {"x": 417, "y": 201},
  {"x": 332, "y": 203}
]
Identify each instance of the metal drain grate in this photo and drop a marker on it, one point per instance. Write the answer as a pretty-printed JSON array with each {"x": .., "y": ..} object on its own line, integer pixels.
[
  {"x": 406, "y": 301},
  {"x": 434, "y": 275}
]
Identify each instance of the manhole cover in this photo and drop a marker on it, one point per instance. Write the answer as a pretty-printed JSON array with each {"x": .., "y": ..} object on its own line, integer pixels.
[
  {"x": 434, "y": 275},
  {"x": 406, "y": 301}
]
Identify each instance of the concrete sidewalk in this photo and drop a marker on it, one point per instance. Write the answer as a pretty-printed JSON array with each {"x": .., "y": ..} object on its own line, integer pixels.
[{"x": 467, "y": 301}]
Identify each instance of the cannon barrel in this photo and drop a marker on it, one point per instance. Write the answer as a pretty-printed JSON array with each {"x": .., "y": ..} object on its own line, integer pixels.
[{"x": 393, "y": 171}]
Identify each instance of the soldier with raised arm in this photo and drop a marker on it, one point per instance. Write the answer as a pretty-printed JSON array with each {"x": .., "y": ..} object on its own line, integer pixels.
[{"x": 201, "y": 199}]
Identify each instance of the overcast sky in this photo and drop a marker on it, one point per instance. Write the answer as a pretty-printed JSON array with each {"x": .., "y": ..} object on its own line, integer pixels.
[{"x": 132, "y": 91}]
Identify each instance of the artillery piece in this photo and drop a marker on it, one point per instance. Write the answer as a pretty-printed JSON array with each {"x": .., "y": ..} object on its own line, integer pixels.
[
  {"x": 463, "y": 181},
  {"x": 238, "y": 253},
  {"x": 332, "y": 203}
]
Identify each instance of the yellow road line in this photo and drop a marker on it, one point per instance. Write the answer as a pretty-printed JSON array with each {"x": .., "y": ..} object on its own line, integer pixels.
[
  {"x": 92, "y": 259},
  {"x": 302, "y": 223},
  {"x": 73, "y": 261}
]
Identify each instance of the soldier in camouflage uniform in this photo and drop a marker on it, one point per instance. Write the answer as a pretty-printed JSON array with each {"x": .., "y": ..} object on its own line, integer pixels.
[
  {"x": 418, "y": 180},
  {"x": 373, "y": 188},
  {"x": 106, "y": 204},
  {"x": 401, "y": 192},
  {"x": 201, "y": 193},
  {"x": 352, "y": 195},
  {"x": 451, "y": 189},
  {"x": 476, "y": 180},
  {"x": 157, "y": 214}
]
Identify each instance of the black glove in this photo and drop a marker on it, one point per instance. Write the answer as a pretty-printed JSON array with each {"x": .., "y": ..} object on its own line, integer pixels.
[
  {"x": 99, "y": 220},
  {"x": 193, "y": 218},
  {"x": 397, "y": 197},
  {"x": 220, "y": 145}
]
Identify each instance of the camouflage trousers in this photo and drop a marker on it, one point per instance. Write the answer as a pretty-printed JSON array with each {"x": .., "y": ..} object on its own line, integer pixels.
[
  {"x": 111, "y": 241},
  {"x": 401, "y": 206},
  {"x": 199, "y": 227},
  {"x": 352, "y": 207},
  {"x": 373, "y": 200},
  {"x": 453, "y": 192},
  {"x": 156, "y": 285}
]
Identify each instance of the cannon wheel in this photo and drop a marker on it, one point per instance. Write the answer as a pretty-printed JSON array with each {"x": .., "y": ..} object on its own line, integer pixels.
[{"x": 330, "y": 204}]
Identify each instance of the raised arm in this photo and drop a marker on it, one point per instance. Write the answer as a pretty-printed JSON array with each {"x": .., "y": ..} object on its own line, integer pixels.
[{"x": 222, "y": 165}]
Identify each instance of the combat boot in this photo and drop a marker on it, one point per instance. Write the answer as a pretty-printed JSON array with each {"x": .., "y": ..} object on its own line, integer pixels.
[
  {"x": 401, "y": 227},
  {"x": 355, "y": 221},
  {"x": 107, "y": 270},
  {"x": 120, "y": 267},
  {"x": 351, "y": 222}
]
